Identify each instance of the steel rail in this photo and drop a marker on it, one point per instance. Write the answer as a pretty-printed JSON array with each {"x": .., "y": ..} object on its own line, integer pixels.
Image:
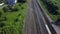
[
  {"x": 47, "y": 20},
  {"x": 41, "y": 28}
]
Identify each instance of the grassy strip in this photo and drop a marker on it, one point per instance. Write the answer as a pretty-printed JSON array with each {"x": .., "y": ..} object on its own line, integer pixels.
[
  {"x": 14, "y": 20},
  {"x": 56, "y": 2}
]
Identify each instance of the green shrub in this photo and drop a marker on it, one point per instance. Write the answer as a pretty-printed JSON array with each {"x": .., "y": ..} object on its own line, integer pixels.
[
  {"x": 2, "y": 24},
  {"x": 5, "y": 9},
  {"x": 52, "y": 9},
  {"x": 0, "y": 14}
]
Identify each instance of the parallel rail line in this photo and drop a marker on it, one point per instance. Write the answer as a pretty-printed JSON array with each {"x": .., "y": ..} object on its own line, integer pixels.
[
  {"x": 39, "y": 15},
  {"x": 39, "y": 20}
]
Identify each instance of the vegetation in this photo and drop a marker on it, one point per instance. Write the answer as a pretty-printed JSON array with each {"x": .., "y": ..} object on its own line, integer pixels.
[
  {"x": 12, "y": 19},
  {"x": 21, "y": 1},
  {"x": 52, "y": 8},
  {"x": 2, "y": 1}
]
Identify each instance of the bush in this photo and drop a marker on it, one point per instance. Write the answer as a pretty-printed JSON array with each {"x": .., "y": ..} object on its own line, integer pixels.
[
  {"x": 21, "y": 1},
  {"x": 22, "y": 7},
  {"x": 5, "y": 9},
  {"x": 8, "y": 30},
  {"x": 3, "y": 19},
  {"x": 16, "y": 20},
  {"x": 2, "y": 24},
  {"x": 15, "y": 9},
  {"x": 0, "y": 14},
  {"x": 51, "y": 7},
  {"x": 19, "y": 15},
  {"x": 1, "y": 32},
  {"x": 58, "y": 20}
]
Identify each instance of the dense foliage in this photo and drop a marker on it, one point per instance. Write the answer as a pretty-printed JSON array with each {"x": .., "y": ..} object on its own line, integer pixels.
[
  {"x": 12, "y": 19},
  {"x": 51, "y": 7},
  {"x": 21, "y": 1}
]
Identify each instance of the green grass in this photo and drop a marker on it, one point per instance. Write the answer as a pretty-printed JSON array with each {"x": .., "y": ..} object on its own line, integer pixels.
[
  {"x": 12, "y": 26},
  {"x": 53, "y": 17}
]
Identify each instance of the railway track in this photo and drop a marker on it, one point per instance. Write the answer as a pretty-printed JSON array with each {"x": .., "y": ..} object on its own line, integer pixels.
[
  {"x": 40, "y": 15},
  {"x": 37, "y": 22}
]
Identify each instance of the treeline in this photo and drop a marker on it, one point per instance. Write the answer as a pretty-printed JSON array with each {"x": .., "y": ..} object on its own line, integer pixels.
[{"x": 51, "y": 7}]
